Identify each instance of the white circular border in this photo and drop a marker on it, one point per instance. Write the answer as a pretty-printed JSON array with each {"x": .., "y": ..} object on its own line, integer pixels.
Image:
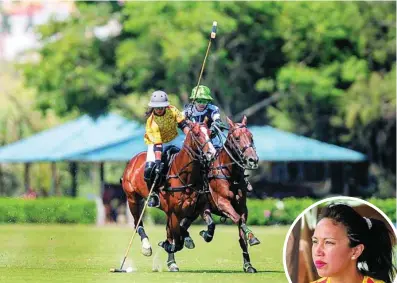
[{"x": 318, "y": 203}]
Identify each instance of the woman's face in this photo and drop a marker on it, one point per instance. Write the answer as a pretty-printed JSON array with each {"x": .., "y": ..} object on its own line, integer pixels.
[
  {"x": 159, "y": 110},
  {"x": 331, "y": 253}
]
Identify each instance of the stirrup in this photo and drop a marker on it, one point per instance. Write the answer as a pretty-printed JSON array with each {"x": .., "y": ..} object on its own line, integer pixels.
[{"x": 154, "y": 200}]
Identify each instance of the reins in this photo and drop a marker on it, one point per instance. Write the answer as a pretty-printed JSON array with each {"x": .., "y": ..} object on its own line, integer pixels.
[
  {"x": 234, "y": 147},
  {"x": 194, "y": 157}
]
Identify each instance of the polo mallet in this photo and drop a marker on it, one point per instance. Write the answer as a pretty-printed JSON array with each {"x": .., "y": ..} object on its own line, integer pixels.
[
  {"x": 121, "y": 270},
  {"x": 213, "y": 35}
]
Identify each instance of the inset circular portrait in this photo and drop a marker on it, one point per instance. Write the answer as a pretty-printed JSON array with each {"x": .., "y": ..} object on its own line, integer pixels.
[{"x": 342, "y": 240}]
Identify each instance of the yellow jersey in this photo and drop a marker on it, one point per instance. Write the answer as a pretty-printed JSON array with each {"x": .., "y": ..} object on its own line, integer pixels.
[
  {"x": 163, "y": 129},
  {"x": 365, "y": 280}
]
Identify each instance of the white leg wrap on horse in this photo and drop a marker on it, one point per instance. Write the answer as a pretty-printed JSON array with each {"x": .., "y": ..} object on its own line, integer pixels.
[
  {"x": 146, "y": 247},
  {"x": 173, "y": 267}
]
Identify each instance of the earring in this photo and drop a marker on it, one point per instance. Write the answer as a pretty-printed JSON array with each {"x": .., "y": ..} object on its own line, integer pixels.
[{"x": 353, "y": 258}]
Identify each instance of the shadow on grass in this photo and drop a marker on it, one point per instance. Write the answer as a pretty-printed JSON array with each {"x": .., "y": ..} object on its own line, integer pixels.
[{"x": 227, "y": 271}]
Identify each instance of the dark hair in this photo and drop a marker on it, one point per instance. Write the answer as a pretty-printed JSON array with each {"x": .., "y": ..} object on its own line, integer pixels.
[
  {"x": 148, "y": 112},
  {"x": 373, "y": 234}
]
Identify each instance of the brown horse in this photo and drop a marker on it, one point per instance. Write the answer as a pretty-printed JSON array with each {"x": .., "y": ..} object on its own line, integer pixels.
[
  {"x": 228, "y": 188},
  {"x": 180, "y": 189}
]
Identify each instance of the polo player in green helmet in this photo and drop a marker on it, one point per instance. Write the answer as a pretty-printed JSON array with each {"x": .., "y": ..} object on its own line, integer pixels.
[{"x": 201, "y": 107}]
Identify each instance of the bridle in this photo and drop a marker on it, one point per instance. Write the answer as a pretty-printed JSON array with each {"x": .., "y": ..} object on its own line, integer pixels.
[
  {"x": 235, "y": 144},
  {"x": 231, "y": 146},
  {"x": 199, "y": 155}
]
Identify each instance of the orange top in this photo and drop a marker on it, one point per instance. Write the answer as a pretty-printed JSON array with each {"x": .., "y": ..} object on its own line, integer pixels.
[{"x": 365, "y": 280}]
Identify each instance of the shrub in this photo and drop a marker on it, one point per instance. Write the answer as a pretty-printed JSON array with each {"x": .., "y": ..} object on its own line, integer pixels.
[
  {"x": 388, "y": 206},
  {"x": 49, "y": 210},
  {"x": 71, "y": 210}
]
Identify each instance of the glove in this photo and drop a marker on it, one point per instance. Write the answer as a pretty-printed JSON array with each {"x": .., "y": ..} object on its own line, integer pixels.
[
  {"x": 214, "y": 131},
  {"x": 219, "y": 125}
]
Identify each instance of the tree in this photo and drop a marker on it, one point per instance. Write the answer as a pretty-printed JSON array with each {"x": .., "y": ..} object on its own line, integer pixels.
[
  {"x": 368, "y": 112},
  {"x": 159, "y": 47},
  {"x": 76, "y": 70},
  {"x": 19, "y": 119}
]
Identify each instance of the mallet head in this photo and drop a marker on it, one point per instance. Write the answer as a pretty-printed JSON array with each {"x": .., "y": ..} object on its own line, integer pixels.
[{"x": 117, "y": 270}]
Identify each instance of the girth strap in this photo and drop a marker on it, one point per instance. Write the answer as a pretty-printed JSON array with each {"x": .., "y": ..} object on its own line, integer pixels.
[{"x": 177, "y": 189}]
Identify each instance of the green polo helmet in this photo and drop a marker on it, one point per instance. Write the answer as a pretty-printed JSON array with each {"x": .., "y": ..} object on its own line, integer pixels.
[{"x": 203, "y": 92}]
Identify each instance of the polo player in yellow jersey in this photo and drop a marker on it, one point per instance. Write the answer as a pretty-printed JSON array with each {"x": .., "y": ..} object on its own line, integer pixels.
[{"x": 162, "y": 122}]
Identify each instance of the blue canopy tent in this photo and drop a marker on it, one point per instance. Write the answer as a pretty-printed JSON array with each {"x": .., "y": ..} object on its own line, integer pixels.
[
  {"x": 74, "y": 137},
  {"x": 78, "y": 136},
  {"x": 276, "y": 145},
  {"x": 271, "y": 145}
]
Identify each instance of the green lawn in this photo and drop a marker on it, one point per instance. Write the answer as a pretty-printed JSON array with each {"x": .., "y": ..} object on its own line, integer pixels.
[{"x": 32, "y": 253}]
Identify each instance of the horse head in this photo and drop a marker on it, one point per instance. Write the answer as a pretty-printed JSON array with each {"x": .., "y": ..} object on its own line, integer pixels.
[
  {"x": 240, "y": 140},
  {"x": 198, "y": 139}
]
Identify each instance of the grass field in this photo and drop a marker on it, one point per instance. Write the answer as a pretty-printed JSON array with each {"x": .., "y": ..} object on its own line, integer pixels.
[{"x": 32, "y": 253}]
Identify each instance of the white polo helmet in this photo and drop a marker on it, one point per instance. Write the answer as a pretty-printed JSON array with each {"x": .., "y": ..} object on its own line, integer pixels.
[{"x": 159, "y": 99}]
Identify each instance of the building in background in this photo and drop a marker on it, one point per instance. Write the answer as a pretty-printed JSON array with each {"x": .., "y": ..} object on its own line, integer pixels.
[{"x": 17, "y": 22}]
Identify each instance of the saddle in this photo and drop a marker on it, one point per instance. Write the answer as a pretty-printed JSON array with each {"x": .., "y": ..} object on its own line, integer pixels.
[{"x": 167, "y": 159}]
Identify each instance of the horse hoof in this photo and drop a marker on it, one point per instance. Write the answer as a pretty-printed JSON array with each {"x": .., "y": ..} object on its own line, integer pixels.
[
  {"x": 146, "y": 252},
  {"x": 205, "y": 236},
  {"x": 189, "y": 244},
  {"x": 250, "y": 269},
  {"x": 253, "y": 241},
  {"x": 173, "y": 267},
  {"x": 146, "y": 249}
]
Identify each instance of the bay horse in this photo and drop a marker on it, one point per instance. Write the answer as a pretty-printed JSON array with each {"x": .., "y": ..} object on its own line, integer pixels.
[
  {"x": 227, "y": 179},
  {"x": 228, "y": 190},
  {"x": 181, "y": 188}
]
